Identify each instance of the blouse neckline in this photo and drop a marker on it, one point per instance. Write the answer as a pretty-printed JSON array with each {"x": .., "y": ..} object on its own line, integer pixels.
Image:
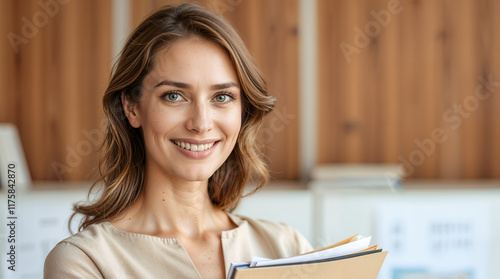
[{"x": 237, "y": 220}]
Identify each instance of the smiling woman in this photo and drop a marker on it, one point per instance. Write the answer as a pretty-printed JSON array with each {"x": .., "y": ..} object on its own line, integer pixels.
[
  {"x": 184, "y": 106},
  {"x": 183, "y": 103}
]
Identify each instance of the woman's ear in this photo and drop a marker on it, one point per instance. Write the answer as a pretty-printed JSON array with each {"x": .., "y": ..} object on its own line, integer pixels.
[{"x": 130, "y": 110}]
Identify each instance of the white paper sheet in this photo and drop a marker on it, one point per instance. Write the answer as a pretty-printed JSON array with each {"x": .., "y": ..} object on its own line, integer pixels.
[{"x": 352, "y": 247}]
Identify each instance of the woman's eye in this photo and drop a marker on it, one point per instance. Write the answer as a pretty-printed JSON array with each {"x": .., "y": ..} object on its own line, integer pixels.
[
  {"x": 173, "y": 97},
  {"x": 223, "y": 98}
]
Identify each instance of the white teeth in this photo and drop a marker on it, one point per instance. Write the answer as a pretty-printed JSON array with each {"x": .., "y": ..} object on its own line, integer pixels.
[{"x": 194, "y": 147}]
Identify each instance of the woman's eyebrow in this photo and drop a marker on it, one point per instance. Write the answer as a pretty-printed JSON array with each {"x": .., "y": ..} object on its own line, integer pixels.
[
  {"x": 182, "y": 85},
  {"x": 174, "y": 84},
  {"x": 224, "y": 86}
]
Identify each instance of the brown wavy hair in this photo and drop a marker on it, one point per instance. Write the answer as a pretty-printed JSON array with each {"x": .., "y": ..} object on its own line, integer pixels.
[{"x": 122, "y": 166}]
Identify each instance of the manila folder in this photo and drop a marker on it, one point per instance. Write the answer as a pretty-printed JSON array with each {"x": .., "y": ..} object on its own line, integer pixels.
[{"x": 361, "y": 267}]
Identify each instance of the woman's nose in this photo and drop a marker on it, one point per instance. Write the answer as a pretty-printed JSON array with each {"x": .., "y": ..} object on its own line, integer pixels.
[{"x": 199, "y": 119}]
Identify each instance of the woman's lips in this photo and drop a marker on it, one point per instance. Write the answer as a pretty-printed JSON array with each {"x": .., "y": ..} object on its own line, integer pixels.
[
  {"x": 196, "y": 151},
  {"x": 194, "y": 147}
]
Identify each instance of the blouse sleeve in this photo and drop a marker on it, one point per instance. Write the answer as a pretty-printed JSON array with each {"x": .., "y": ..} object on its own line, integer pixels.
[
  {"x": 302, "y": 244},
  {"x": 68, "y": 261}
]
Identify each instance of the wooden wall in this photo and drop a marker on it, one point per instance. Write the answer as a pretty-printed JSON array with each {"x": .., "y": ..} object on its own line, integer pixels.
[
  {"x": 413, "y": 91},
  {"x": 52, "y": 75}
]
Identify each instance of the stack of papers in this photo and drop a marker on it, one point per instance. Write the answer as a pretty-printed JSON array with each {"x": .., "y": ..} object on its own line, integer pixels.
[{"x": 340, "y": 257}]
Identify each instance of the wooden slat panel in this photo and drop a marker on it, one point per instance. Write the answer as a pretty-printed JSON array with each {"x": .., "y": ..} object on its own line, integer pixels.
[
  {"x": 468, "y": 71},
  {"x": 408, "y": 83},
  {"x": 339, "y": 89},
  {"x": 430, "y": 81},
  {"x": 29, "y": 62},
  {"x": 70, "y": 87},
  {"x": 7, "y": 70},
  {"x": 450, "y": 165},
  {"x": 389, "y": 95},
  {"x": 409, "y": 87},
  {"x": 352, "y": 96},
  {"x": 326, "y": 118},
  {"x": 477, "y": 126},
  {"x": 370, "y": 85},
  {"x": 492, "y": 133}
]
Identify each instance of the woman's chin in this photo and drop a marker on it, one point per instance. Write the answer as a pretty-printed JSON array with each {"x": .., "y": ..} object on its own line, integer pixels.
[{"x": 193, "y": 176}]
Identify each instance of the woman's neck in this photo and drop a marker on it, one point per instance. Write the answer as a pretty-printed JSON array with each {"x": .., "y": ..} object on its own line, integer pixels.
[{"x": 176, "y": 209}]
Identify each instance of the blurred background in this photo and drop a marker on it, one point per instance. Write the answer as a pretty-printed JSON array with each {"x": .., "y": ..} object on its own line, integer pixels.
[{"x": 406, "y": 91}]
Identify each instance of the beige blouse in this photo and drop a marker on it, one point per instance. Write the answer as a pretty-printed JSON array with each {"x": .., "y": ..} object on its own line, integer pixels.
[{"x": 103, "y": 251}]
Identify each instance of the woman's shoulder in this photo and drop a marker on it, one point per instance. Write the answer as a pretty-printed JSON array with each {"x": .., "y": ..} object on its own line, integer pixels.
[
  {"x": 90, "y": 235},
  {"x": 265, "y": 225},
  {"x": 100, "y": 237},
  {"x": 278, "y": 234},
  {"x": 70, "y": 258}
]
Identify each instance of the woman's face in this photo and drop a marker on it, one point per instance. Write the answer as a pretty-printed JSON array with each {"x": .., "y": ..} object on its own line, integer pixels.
[{"x": 190, "y": 110}]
